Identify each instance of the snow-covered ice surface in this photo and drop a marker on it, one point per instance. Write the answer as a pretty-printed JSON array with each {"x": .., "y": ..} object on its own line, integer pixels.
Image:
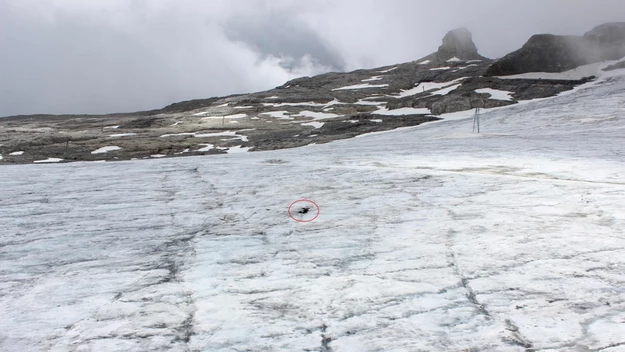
[{"x": 429, "y": 238}]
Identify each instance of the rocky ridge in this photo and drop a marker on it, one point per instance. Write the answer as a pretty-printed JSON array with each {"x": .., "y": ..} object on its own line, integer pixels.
[
  {"x": 302, "y": 111},
  {"x": 559, "y": 53}
]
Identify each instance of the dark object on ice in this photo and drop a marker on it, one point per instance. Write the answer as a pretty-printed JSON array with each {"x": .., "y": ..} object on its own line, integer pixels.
[{"x": 304, "y": 210}]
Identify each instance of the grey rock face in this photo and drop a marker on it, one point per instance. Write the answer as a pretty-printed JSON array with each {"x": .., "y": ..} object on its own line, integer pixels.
[
  {"x": 541, "y": 53},
  {"x": 558, "y": 53},
  {"x": 607, "y": 41},
  {"x": 616, "y": 66},
  {"x": 459, "y": 43},
  {"x": 608, "y": 33}
]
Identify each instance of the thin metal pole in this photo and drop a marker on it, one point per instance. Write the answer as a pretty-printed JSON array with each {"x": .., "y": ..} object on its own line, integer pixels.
[{"x": 473, "y": 123}]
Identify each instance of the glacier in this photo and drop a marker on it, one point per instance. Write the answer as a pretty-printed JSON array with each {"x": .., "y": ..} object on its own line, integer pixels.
[{"x": 429, "y": 238}]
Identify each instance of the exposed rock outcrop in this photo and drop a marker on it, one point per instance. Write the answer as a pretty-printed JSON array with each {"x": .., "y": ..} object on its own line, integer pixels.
[
  {"x": 558, "y": 53},
  {"x": 457, "y": 43},
  {"x": 617, "y": 66},
  {"x": 607, "y": 40}
]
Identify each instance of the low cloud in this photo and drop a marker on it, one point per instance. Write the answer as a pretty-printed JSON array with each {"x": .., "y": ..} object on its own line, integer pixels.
[{"x": 102, "y": 56}]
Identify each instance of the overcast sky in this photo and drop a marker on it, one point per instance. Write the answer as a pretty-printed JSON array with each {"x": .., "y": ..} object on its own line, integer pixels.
[{"x": 101, "y": 56}]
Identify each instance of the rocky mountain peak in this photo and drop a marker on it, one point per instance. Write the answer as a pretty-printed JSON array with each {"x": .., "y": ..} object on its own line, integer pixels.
[
  {"x": 559, "y": 53},
  {"x": 612, "y": 33},
  {"x": 458, "y": 43}
]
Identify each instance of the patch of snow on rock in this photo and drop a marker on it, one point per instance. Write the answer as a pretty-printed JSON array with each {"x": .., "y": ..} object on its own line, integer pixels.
[
  {"x": 310, "y": 103},
  {"x": 106, "y": 149},
  {"x": 374, "y": 78},
  {"x": 362, "y": 86},
  {"x": 282, "y": 114},
  {"x": 237, "y": 149},
  {"x": 49, "y": 160},
  {"x": 17, "y": 153},
  {"x": 122, "y": 135},
  {"x": 426, "y": 86},
  {"x": 402, "y": 111},
  {"x": 317, "y": 115},
  {"x": 496, "y": 94},
  {"x": 365, "y": 102},
  {"x": 234, "y": 116},
  {"x": 216, "y": 134},
  {"x": 447, "y": 90},
  {"x": 314, "y": 124},
  {"x": 206, "y": 147},
  {"x": 178, "y": 134},
  {"x": 333, "y": 102}
]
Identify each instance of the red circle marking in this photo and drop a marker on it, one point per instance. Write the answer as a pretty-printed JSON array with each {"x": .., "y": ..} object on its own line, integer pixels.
[{"x": 304, "y": 201}]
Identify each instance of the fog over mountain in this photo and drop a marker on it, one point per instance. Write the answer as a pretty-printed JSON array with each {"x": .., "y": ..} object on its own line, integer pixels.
[{"x": 70, "y": 56}]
